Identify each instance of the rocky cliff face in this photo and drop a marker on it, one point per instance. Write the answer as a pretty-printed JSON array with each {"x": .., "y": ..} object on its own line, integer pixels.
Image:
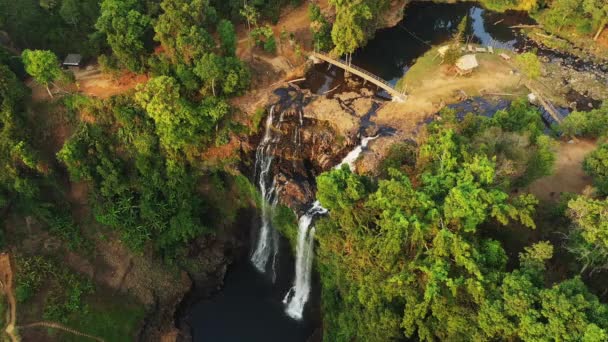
[{"x": 315, "y": 132}]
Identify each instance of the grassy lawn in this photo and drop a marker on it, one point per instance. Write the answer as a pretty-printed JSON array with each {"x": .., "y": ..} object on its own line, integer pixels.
[{"x": 425, "y": 65}]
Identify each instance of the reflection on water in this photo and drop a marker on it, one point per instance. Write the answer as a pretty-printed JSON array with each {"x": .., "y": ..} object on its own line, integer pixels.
[{"x": 391, "y": 53}]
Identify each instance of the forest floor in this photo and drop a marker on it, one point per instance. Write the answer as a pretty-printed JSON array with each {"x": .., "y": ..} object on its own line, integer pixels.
[{"x": 568, "y": 174}]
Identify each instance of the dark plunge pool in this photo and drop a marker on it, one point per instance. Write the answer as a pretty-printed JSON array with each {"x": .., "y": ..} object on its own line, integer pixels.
[{"x": 250, "y": 307}]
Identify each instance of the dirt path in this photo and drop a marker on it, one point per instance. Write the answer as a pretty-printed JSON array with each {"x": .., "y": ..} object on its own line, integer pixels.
[
  {"x": 6, "y": 275},
  {"x": 568, "y": 175},
  {"x": 54, "y": 325},
  {"x": 93, "y": 83},
  {"x": 6, "y": 284}
]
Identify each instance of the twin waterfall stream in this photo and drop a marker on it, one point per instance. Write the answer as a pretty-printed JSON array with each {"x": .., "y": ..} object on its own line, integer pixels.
[{"x": 264, "y": 256}]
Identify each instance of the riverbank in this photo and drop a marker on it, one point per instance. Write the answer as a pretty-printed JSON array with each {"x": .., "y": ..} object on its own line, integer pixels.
[{"x": 311, "y": 143}]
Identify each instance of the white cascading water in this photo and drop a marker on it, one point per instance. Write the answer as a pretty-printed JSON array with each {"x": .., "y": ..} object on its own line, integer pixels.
[
  {"x": 297, "y": 296},
  {"x": 267, "y": 243},
  {"x": 352, "y": 156}
]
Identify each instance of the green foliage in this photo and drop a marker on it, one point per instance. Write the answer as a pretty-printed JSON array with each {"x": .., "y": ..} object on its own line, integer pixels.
[
  {"x": 256, "y": 119},
  {"x": 417, "y": 245},
  {"x": 530, "y": 65},
  {"x": 522, "y": 5},
  {"x": 586, "y": 16},
  {"x": 43, "y": 66},
  {"x": 520, "y": 117},
  {"x": 125, "y": 28},
  {"x": 400, "y": 155},
  {"x": 179, "y": 123},
  {"x": 110, "y": 316},
  {"x": 588, "y": 240},
  {"x": 62, "y": 26},
  {"x": 286, "y": 222},
  {"x": 514, "y": 137},
  {"x": 180, "y": 29},
  {"x": 266, "y": 9},
  {"x": 64, "y": 289},
  {"x": 452, "y": 55},
  {"x": 227, "y": 35},
  {"x": 320, "y": 27},
  {"x": 596, "y": 165},
  {"x": 251, "y": 15},
  {"x": 30, "y": 277},
  {"x": 409, "y": 255},
  {"x": 356, "y": 21},
  {"x": 147, "y": 191},
  {"x": 523, "y": 308},
  {"x": 264, "y": 36},
  {"x": 591, "y": 124}
]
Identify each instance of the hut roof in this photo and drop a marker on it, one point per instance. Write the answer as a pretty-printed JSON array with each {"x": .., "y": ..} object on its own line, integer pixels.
[
  {"x": 73, "y": 60},
  {"x": 467, "y": 62}
]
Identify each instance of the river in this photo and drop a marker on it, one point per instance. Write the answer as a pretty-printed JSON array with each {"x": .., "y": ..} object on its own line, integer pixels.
[{"x": 250, "y": 306}]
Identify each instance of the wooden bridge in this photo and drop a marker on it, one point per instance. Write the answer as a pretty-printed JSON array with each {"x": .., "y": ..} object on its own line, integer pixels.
[{"x": 353, "y": 69}]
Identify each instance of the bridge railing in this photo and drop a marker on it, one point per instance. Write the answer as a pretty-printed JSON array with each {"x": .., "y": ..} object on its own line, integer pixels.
[{"x": 343, "y": 64}]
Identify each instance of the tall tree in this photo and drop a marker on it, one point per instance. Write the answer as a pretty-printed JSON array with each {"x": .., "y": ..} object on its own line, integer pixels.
[
  {"x": 179, "y": 123},
  {"x": 125, "y": 27},
  {"x": 210, "y": 68},
  {"x": 596, "y": 165},
  {"x": 43, "y": 66},
  {"x": 588, "y": 239},
  {"x": 181, "y": 29},
  {"x": 227, "y": 35}
]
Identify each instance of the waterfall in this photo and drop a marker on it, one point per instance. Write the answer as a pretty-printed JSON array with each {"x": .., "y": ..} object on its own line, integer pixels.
[
  {"x": 297, "y": 296},
  {"x": 352, "y": 156},
  {"x": 267, "y": 243}
]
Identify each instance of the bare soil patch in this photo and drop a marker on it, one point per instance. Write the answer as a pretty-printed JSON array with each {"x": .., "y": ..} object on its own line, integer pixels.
[{"x": 568, "y": 175}]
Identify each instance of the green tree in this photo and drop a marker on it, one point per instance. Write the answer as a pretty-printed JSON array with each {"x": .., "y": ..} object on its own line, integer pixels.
[
  {"x": 587, "y": 124},
  {"x": 596, "y": 165},
  {"x": 179, "y": 123},
  {"x": 181, "y": 29},
  {"x": 43, "y": 66},
  {"x": 588, "y": 240},
  {"x": 70, "y": 12},
  {"x": 530, "y": 65},
  {"x": 320, "y": 27},
  {"x": 251, "y": 15},
  {"x": 210, "y": 68},
  {"x": 414, "y": 237},
  {"x": 349, "y": 32},
  {"x": 227, "y": 37},
  {"x": 523, "y": 308},
  {"x": 125, "y": 27}
]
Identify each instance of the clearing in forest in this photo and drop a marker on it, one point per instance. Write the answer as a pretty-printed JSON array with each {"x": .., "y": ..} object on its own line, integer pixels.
[{"x": 568, "y": 174}]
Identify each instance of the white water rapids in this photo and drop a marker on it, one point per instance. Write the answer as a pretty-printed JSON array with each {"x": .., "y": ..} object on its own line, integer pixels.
[
  {"x": 268, "y": 239},
  {"x": 297, "y": 296},
  {"x": 267, "y": 246}
]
